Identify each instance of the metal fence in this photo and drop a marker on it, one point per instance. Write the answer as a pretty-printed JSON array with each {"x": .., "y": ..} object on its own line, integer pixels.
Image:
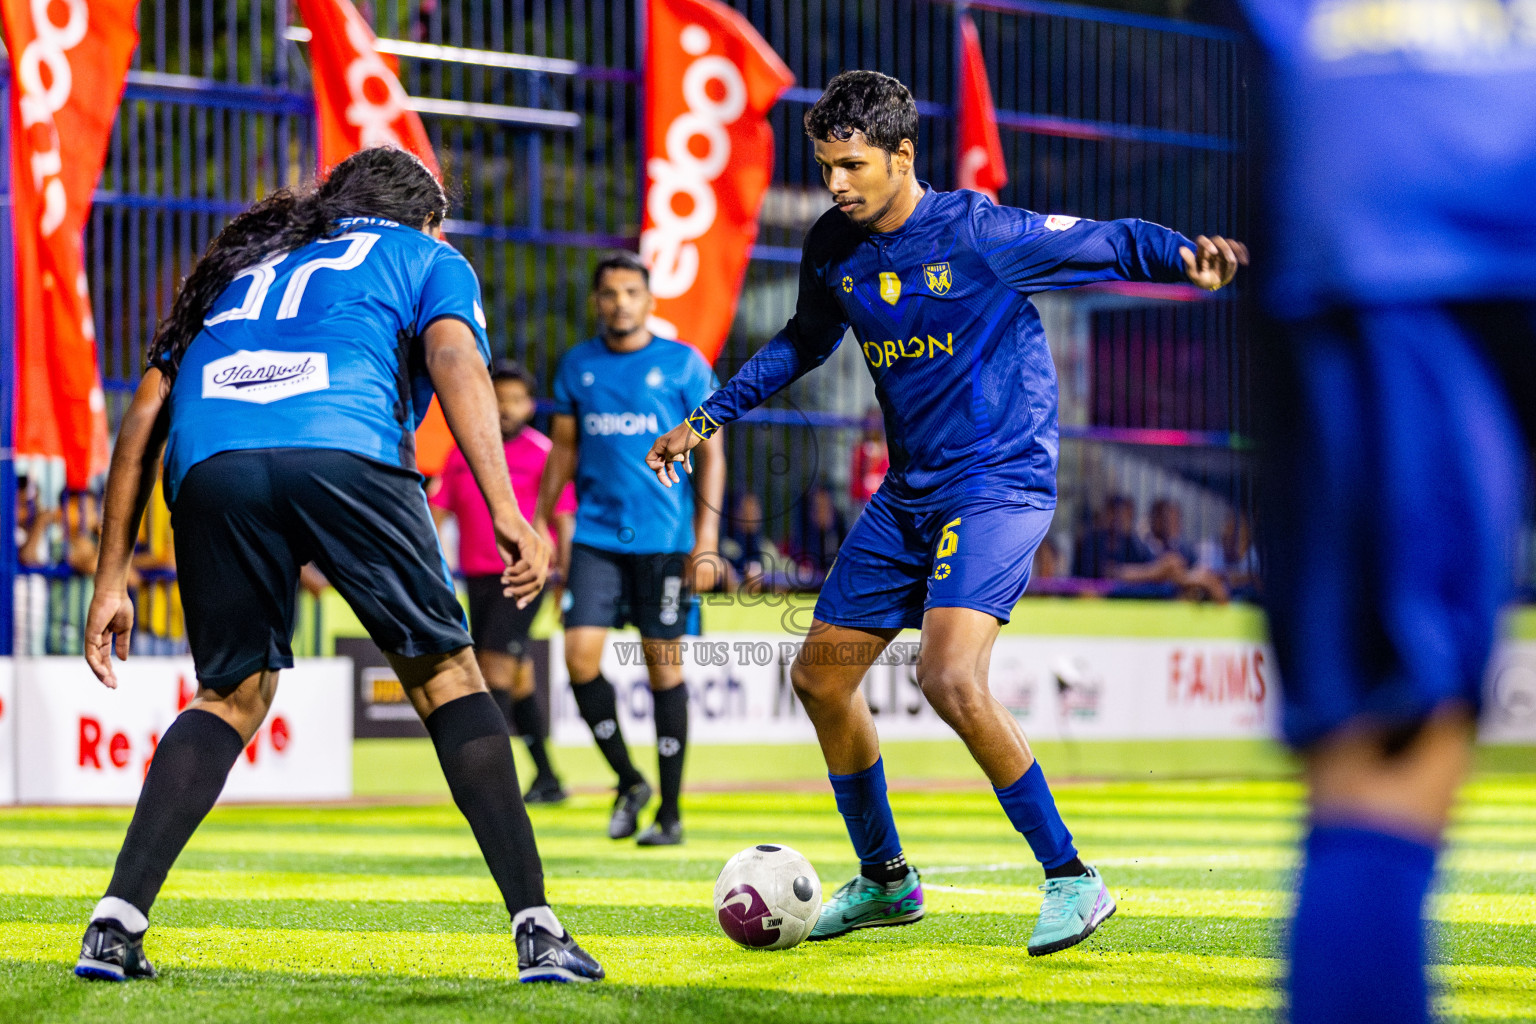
[{"x": 535, "y": 107}]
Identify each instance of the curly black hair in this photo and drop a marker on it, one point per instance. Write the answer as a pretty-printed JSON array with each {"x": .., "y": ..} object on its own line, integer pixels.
[
  {"x": 380, "y": 182},
  {"x": 876, "y": 105}
]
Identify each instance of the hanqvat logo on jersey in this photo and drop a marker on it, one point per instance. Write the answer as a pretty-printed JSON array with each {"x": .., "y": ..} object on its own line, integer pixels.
[
  {"x": 266, "y": 376},
  {"x": 1059, "y": 222}
]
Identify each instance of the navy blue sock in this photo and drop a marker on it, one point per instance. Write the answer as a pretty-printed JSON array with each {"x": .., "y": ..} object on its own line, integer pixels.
[
  {"x": 1349, "y": 967},
  {"x": 1030, "y": 806},
  {"x": 867, "y": 813}
]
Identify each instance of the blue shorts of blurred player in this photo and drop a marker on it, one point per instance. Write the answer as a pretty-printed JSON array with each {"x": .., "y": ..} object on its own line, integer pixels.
[{"x": 1396, "y": 473}]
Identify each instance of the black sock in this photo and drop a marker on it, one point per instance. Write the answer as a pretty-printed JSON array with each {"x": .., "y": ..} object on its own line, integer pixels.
[
  {"x": 472, "y": 746},
  {"x": 887, "y": 872},
  {"x": 525, "y": 719},
  {"x": 504, "y": 704},
  {"x": 671, "y": 743},
  {"x": 1073, "y": 868},
  {"x": 185, "y": 777},
  {"x": 600, "y": 708}
]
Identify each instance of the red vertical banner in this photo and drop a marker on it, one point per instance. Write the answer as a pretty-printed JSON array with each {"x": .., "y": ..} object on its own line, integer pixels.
[
  {"x": 980, "y": 149},
  {"x": 69, "y": 59},
  {"x": 710, "y": 80},
  {"x": 359, "y": 102}
]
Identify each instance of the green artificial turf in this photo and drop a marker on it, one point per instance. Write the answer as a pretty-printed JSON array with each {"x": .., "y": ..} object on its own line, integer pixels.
[{"x": 386, "y": 913}]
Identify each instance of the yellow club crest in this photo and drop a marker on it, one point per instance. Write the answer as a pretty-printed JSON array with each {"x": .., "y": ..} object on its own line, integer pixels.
[
  {"x": 890, "y": 286},
  {"x": 938, "y": 277}
]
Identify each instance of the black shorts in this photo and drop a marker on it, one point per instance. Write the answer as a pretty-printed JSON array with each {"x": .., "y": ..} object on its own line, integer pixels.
[
  {"x": 245, "y": 521},
  {"x": 611, "y": 589},
  {"x": 496, "y": 623}
]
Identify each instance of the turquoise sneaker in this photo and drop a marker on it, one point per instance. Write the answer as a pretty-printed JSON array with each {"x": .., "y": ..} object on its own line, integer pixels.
[
  {"x": 865, "y": 904},
  {"x": 1073, "y": 909}
]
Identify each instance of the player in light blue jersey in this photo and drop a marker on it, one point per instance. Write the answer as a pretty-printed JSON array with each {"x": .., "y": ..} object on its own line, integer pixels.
[
  {"x": 636, "y": 544},
  {"x": 1398, "y": 390},
  {"x": 285, "y": 389},
  {"x": 936, "y": 288}
]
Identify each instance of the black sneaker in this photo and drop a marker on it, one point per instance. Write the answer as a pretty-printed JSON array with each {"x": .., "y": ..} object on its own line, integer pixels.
[
  {"x": 109, "y": 952},
  {"x": 626, "y": 810},
  {"x": 546, "y": 789},
  {"x": 670, "y": 834},
  {"x": 542, "y": 956}
]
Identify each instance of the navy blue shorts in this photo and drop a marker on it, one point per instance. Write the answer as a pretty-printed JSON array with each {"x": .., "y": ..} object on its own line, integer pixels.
[
  {"x": 895, "y": 564},
  {"x": 1391, "y": 501},
  {"x": 496, "y": 623},
  {"x": 610, "y": 589},
  {"x": 244, "y": 523}
]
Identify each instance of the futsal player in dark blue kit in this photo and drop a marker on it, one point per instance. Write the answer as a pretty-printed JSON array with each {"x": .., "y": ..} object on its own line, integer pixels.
[
  {"x": 285, "y": 389},
  {"x": 936, "y": 288},
  {"x": 1399, "y": 379}
]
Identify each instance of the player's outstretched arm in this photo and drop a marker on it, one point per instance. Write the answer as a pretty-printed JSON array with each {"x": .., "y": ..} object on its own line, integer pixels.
[
  {"x": 1035, "y": 253},
  {"x": 130, "y": 481},
  {"x": 468, "y": 399},
  {"x": 811, "y": 335},
  {"x": 1213, "y": 262}
]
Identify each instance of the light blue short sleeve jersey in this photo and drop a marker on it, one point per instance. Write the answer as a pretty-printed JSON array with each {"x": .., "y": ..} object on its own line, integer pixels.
[
  {"x": 321, "y": 348},
  {"x": 622, "y": 402}
]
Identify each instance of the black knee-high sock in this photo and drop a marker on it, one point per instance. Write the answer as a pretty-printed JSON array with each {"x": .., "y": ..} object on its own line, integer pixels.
[
  {"x": 525, "y": 719},
  {"x": 503, "y": 699},
  {"x": 600, "y": 708},
  {"x": 671, "y": 742},
  {"x": 185, "y": 777},
  {"x": 472, "y": 746}
]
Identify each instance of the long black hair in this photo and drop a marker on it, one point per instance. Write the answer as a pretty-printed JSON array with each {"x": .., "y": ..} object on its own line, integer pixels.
[{"x": 381, "y": 182}]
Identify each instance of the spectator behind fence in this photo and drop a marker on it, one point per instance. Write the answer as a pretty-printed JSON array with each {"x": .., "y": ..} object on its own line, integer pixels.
[
  {"x": 1234, "y": 559},
  {"x": 1111, "y": 543},
  {"x": 745, "y": 547},
  {"x": 820, "y": 532},
  {"x": 1165, "y": 529},
  {"x": 871, "y": 460},
  {"x": 1113, "y": 551}
]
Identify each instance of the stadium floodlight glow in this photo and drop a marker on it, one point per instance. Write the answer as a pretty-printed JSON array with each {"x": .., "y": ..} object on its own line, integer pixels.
[{"x": 458, "y": 54}]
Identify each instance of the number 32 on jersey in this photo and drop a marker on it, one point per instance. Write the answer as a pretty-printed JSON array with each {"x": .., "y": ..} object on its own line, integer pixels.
[{"x": 262, "y": 275}]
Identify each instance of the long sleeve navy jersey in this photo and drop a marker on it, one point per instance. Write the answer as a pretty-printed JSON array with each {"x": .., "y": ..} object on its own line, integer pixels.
[
  {"x": 1401, "y": 144},
  {"x": 940, "y": 309}
]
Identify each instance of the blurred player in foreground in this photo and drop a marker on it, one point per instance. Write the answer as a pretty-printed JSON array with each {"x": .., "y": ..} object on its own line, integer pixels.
[
  {"x": 936, "y": 287},
  {"x": 1400, "y": 281},
  {"x": 499, "y": 624},
  {"x": 635, "y": 542},
  {"x": 285, "y": 388}
]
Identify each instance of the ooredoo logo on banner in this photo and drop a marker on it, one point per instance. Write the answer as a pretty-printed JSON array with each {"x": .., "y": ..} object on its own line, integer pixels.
[{"x": 79, "y": 743}]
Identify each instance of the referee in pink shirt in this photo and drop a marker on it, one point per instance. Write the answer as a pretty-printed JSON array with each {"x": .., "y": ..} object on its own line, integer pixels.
[{"x": 497, "y": 625}]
